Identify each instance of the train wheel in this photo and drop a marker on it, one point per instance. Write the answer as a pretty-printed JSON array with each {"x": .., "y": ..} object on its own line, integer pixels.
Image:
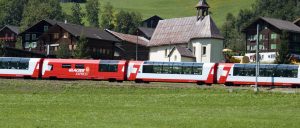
[
  {"x": 138, "y": 81},
  {"x": 200, "y": 83},
  {"x": 229, "y": 84}
]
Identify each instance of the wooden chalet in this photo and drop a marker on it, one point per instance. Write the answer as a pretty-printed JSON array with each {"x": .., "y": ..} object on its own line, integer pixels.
[
  {"x": 100, "y": 43},
  {"x": 270, "y": 32},
  {"x": 8, "y": 34},
  {"x": 131, "y": 46},
  {"x": 31, "y": 36}
]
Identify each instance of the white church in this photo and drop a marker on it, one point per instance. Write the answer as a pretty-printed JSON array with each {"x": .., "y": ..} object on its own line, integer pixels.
[{"x": 187, "y": 39}]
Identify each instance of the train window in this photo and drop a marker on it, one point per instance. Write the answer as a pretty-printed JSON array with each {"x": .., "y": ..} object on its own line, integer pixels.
[
  {"x": 166, "y": 69},
  {"x": 1, "y": 67},
  {"x": 66, "y": 66},
  {"x": 147, "y": 68},
  {"x": 24, "y": 64},
  {"x": 177, "y": 68},
  {"x": 197, "y": 69},
  {"x": 108, "y": 66},
  {"x": 187, "y": 69},
  {"x": 157, "y": 68},
  {"x": 79, "y": 66}
]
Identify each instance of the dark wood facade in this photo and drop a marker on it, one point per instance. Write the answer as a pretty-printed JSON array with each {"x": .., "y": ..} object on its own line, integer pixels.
[
  {"x": 126, "y": 50},
  {"x": 31, "y": 36},
  {"x": 8, "y": 34},
  {"x": 269, "y": 37},
  {"x": 99, "y": 48}
]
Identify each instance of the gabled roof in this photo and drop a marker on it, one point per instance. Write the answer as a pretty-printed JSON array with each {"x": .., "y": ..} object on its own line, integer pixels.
[
  {"x": 88, "y": 32},
  {"x": 279, "y": 24},
  {"x": 15, "y": 29},
  {"x": 52, "y": 22},
  {"x": 130, "y": 38},
  {"x": 297, "y": 22},
  {"x": 183, "y": 51},
  {"x": 147, "y": 31},
  {"x": 182, "y": 30},
  {"x": 153, "y": 17}
]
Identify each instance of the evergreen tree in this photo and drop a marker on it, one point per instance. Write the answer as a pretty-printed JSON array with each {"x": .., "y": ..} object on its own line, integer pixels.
[
  {"x": 283, "y": 55},
  {"x": 77, "y": 14},
  {"x": 11, "y": 12},
  {"x": 107, "y": 17},
  {"x": 127, "y": 22},
  {"x": 36, "y": 10},
  {"x": 81, "y": 50},
  {"x": 92, "y": 9},
  {"x": 63, "y": 51}
]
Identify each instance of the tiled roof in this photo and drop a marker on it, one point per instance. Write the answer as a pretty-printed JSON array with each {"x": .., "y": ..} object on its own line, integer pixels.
[
  {"x": 183, "y": 51},
  {"x": 88, "y": 32},
  {"x": 147, "y": 31},
  {"x": 15, "y": 29},
  {"x": 130, "y": 38},
  {"x": 282, "y": 24},
  {"x": 182, "y": 30}
]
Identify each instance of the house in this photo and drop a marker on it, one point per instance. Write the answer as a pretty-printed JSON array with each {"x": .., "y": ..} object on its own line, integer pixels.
[
  {"x": 270, "y": 31},
  {"x": 193, "y": 39},
  {"x": 101, "y": 44},
  {"x": 31, "y": 35},
  {"x": 151, "y": 22},
  {"x": 131, "y": 47},
  {"x": 8, "y": 34}
]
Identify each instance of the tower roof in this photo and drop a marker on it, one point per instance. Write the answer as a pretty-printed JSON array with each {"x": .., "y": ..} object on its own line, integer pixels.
[{"x": 202, "y": 4}]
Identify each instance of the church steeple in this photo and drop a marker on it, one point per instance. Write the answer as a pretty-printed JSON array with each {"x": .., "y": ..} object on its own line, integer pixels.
[{"x": 202, "y": 9}]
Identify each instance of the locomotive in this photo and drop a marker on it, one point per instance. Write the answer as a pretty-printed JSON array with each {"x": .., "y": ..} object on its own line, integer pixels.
[{"x": 148, "y": 71}]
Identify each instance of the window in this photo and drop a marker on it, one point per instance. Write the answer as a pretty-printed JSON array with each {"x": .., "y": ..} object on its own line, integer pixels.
[
  {"x": 14, "y": 63},
  {"x": 166, "y": 52},
  {"x": 273, "y": 36},
  {"x": 33, "y": 45},
  {"x": 66, "y": 66},
  {"x": 46, "y": 28},
  {"x": 194, "y": 50},
  {"x": 27, "y": 37},
  {"x": 55, "y": 35},
  {"x": 79, "y": 66},
  {"x": 27, "y": 45},
  {"x": 66, "y": 35},
  {"x": 204, "y": 50},
  {"x": 33, "y": 36},
  {"x": 273, "y": 46},
  {"x": 108, "y": 66}
]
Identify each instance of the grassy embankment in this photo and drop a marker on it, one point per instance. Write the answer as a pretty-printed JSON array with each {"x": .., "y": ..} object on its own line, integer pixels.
[
  {"x": 174, "y": 8},
  {"x": 29, "y": 103}
]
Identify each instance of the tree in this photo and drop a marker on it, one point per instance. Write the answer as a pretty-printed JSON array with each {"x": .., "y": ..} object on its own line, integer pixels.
[
  {"x": 92, "y": 9},
  {"x": 127, "y": 22},
  {"x": 81, "y": 50},
  {"x": 2, "y": 48},
  {"x": 283, "y": 55},
  {"x": 63, "y": 51},
  {"x": 107, "y": 17},
  {"x": 36, "y": 10},
  {"x": 77, "y": 14},
  {"x": 19, "y": 43},
  {"x": 11, "y": 11}
]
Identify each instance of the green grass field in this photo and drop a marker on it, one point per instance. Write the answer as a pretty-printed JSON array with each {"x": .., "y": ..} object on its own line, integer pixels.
[
  {"x": 40, "y": 104},
  {"x": 175, "y": 8}
]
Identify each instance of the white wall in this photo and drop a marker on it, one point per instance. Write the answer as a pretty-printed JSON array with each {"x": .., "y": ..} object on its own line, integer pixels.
[
  {"x": 214, "y": 49},
  {"x": 158, "y": 53}
]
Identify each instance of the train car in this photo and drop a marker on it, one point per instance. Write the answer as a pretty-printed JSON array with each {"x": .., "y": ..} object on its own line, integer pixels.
[
  {"x": 148, "y": 71},
  {"x": 14, "y": 67},
  {"x": 112, "y": 70},
  {"x": 269, "y": 74}
]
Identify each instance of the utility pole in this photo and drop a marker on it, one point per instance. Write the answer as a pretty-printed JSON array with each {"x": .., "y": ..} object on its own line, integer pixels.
[
  {"x": 257, "y": 59},
  {"x": 136, "y": 45}
]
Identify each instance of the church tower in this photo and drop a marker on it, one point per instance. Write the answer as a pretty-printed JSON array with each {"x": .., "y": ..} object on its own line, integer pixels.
[{"x": 202, "y": 9}]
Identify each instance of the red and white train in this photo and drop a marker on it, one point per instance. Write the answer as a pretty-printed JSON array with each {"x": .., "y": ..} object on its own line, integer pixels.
[{"x": 148, "y": 71}]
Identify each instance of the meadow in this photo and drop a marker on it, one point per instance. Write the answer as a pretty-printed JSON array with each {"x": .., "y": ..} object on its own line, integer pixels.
[
  {"x": 174, "y": 8},
  {"x": 44, "y": 103}
]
